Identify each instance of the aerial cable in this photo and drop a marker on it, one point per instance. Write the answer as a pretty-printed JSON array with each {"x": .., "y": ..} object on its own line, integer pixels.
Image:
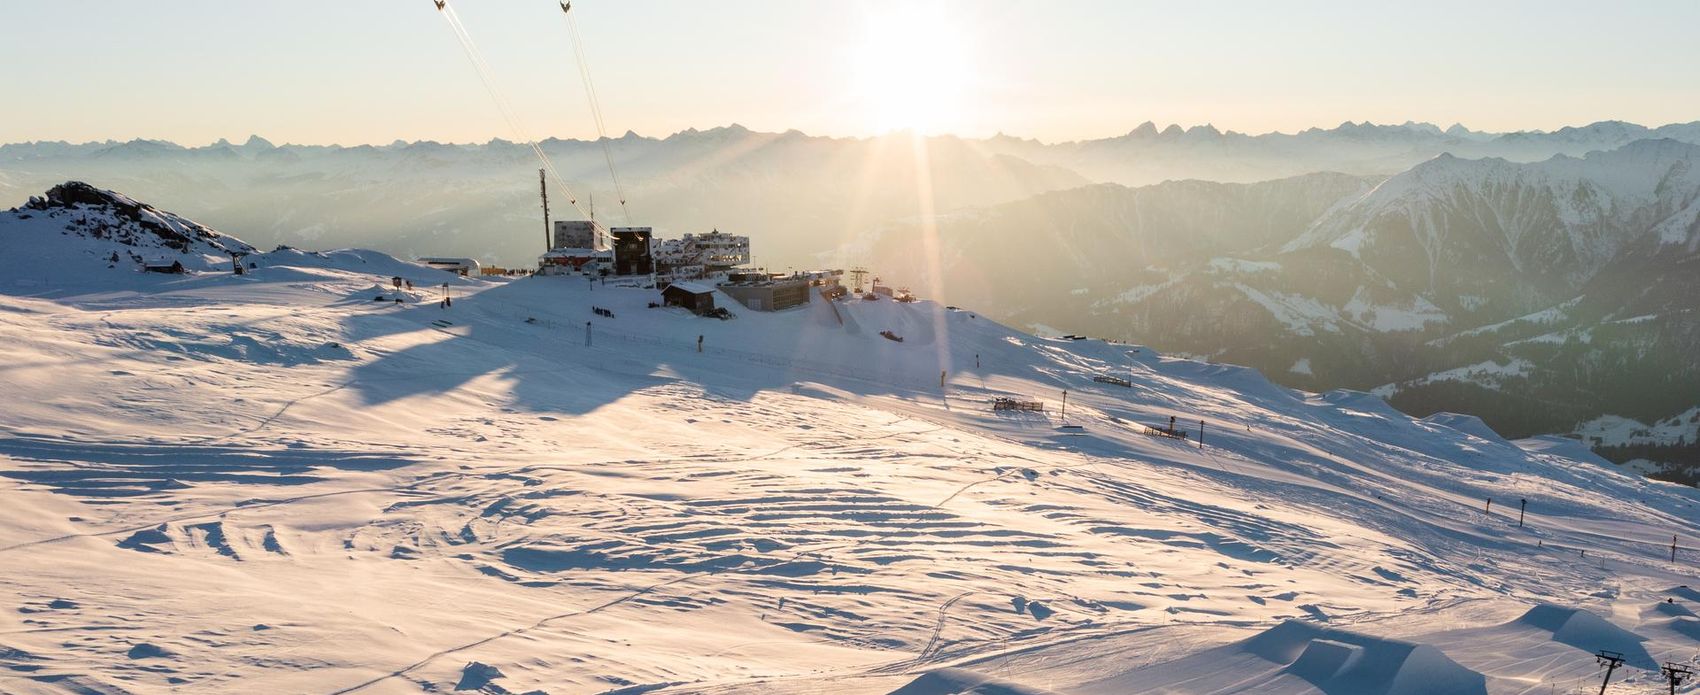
[
  {"x": 595, "y": 106},
  {"x": 502, "y": 105}
]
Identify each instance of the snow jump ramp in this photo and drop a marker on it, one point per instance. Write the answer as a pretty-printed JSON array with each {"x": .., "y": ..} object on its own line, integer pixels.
[
  {"x": 1338, "y": 662},
  {"x": 955, "y": 681},
  {"x": 1588, "y": 632}
]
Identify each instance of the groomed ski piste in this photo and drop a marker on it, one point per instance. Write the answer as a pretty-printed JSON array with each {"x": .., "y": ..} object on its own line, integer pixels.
[{"x": 285, "y": 482}]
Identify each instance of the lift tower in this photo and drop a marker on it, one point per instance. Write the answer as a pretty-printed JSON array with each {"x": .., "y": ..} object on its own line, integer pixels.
[{"x": 543, "y": 187}]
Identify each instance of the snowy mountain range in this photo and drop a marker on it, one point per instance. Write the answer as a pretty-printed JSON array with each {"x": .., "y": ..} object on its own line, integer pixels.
[
  {"x": 1538, "y": 295},
  {"x": 302, "y": 479}
]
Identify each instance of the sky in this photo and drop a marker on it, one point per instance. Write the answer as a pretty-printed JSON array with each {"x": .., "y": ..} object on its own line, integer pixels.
[{"x": 374, "y": 71}]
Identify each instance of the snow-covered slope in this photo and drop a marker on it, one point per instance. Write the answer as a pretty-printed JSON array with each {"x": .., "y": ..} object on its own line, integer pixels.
[
  {"x": 74, "y": 222},
  {"x": 273, "y": 483}
]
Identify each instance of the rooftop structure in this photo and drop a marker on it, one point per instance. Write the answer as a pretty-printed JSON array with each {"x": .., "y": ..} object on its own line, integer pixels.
[{"x": 579, "y": 234}]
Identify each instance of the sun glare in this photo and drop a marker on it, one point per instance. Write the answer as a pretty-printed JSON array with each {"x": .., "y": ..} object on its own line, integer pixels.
[{"x": 913, "y": 70}]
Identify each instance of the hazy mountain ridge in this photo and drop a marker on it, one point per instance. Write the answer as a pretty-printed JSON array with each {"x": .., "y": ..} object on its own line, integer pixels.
[
  {"x": 1148, "y": 155},
  {"x": 1098, "y": 237},
  {"x": 789, "y": 191},
  {"x": 796, "y": 194}
]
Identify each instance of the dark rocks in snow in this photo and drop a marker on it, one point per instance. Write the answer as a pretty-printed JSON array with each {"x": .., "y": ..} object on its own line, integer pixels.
[
  {"x": 145, "y": 540},
  {"x": 144, "y": 650},
  {"x": 104, "y": 214},
  {"x": 476, "y": 675}
]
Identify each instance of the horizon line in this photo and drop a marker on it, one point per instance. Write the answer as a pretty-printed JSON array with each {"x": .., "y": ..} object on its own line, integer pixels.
[{"x": 1146, "y": 126}]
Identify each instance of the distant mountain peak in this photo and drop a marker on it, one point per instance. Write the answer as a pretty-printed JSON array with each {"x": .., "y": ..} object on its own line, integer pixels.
[
  {"x": 1145, "y": 130},
  {"x": 734, "y": 130}
]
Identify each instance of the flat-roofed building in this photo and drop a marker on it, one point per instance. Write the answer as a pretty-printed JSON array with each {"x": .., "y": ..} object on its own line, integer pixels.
[
  {"x": 458, "y": 266},
  {"x": 768, "y": 294}
]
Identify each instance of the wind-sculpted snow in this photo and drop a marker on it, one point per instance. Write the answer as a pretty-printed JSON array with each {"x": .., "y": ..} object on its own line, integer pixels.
[{"x": 272, "y": 483}]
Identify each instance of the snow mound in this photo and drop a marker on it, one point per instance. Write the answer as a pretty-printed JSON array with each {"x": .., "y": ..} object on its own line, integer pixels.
[
  {"x": 955, "y": 681},
  {"x": 1562, "y": 447},
  {"x": 1588, "y": 632},
  {"x": 1360, "y": 404},
  {"x": 1338, "y": 661},
  {"x": 1668, "y": 608},
  {"x": 1673, "y": 617},
  {"x": 1468, "y": 424},
  {"x": 365, "y": 261}
]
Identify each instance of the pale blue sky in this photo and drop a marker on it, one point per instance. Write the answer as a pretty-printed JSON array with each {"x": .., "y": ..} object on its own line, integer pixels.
[{"x": 355, "y": 71}]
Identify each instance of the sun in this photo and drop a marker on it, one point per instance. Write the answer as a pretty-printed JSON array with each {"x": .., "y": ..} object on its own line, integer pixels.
[{"x": 913, "y": 70}]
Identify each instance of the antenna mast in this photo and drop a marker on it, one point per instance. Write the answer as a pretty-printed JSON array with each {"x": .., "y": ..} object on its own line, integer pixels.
[{"x": 543, "y": 187}]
